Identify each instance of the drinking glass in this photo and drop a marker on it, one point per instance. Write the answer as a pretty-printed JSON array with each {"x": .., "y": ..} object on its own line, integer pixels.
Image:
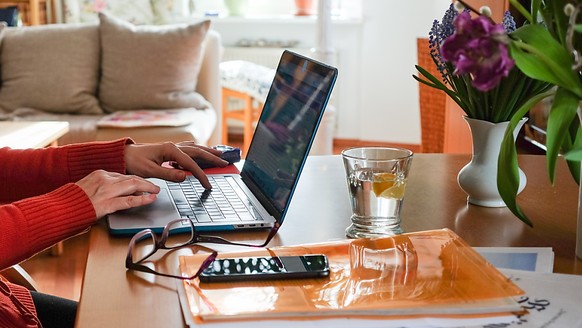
[{"x": 376, "y": 178}]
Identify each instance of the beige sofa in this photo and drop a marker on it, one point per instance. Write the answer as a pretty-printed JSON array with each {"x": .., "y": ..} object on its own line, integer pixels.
[{"x": 81, "y": 73}]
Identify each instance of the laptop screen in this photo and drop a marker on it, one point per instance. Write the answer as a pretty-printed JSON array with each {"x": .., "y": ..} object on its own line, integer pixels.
[{"x": 286, "y": 128}]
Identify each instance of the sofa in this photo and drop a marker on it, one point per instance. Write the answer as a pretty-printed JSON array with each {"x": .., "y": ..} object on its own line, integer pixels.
[{"x": 86, "y": 73}]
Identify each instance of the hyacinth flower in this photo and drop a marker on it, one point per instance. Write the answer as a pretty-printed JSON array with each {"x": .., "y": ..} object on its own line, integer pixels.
[
  {"x": 472, "y": 55},
  {"x": 477, "y": 72},
  {"x": 479, "y": 48}
]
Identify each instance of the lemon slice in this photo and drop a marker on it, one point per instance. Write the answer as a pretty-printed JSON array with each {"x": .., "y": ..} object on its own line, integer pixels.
[
  {"x": 382, "y": 181},
  {"x": 396, "y": 191},
  {"x": 387, "y": 185}
]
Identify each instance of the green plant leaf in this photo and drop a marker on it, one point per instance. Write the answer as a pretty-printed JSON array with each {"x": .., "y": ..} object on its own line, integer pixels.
[
  {"x": 574, "y": 155},
  {"x": 563, "y": 112},
  {"x": 524, "y": 12},
  {"x": 507, "y": 165},
  {"x": 540, "y": 56},
  {"x": 572, "y": 142},
  {"x": 436, "y": 83}
]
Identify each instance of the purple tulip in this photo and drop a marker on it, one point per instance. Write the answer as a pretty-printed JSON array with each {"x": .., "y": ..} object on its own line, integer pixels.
[{"x": 479, "y": 48}]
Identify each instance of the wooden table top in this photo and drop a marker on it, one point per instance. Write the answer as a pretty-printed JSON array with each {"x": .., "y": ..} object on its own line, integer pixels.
[
  {"x": 320, "y": 211},
  {"x": 21, "y": 135}
]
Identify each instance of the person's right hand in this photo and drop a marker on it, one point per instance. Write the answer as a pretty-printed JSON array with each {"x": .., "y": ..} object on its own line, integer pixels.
[{"x": 110, "y": 192}]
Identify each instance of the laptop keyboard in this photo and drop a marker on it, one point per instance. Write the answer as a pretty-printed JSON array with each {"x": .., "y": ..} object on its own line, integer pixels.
[{"x": 222, "y": 203}]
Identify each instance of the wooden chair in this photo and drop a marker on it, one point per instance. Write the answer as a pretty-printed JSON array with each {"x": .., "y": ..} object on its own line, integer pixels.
[
  {"x": 248, "y": 115},
  {"x": 248, "y": 83},
  {"x": 443, "y": 129},
  {"x": 34, "y": 12},
  {"x": 17, "y": 275}
]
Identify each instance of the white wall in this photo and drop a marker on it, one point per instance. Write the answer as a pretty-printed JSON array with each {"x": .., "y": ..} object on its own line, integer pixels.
[{"x": 376, "y": 97}]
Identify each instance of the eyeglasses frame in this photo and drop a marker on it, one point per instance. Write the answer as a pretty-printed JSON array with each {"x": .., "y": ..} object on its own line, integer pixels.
[{"x": 160, "y": 243}]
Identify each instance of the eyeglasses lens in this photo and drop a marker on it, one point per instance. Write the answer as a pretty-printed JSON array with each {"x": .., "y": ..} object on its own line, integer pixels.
[{"x": 182, "y": 234}]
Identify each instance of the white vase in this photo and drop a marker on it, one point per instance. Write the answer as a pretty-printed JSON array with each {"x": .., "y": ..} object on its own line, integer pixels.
[
  {"x": 479, "y": 178},
  {"x": 236, "y": 7}
]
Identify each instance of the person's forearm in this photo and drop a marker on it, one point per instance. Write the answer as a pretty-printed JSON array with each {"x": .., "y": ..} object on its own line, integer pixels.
[
  {"x": 30, "y": 172},
  {"x": 34, "y": 224}
]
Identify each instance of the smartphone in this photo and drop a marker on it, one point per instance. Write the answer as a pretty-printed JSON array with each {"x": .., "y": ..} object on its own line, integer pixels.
[{"x": 266, "y": 268}]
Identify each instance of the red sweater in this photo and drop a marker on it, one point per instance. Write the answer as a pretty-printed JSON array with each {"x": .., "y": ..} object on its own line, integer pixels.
[{"x": 44, "y": 206}]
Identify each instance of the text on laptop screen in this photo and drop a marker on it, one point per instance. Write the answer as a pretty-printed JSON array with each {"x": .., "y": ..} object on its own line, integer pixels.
[{"x": 291, "y": 113}]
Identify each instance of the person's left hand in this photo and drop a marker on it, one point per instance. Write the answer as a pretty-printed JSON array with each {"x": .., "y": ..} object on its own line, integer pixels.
[{"x": 145, "y": 160}]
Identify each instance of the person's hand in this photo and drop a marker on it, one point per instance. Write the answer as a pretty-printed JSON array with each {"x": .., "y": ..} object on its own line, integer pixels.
[
  {"x": 110, "y": 192},
  {"x": 145, "y": 160}
]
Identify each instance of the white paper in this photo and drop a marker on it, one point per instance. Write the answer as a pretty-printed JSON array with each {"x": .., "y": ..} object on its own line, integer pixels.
[
  {"x": 553, "y": 300},
  {"x": 536, "y": 259}
]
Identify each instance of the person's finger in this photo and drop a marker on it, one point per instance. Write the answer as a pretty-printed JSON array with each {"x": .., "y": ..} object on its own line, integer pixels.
[
  {"x": 131, "y": 201},
  {"x": 131, "y": 184},
  {"x": 186, "y": 162},
  {"x": 211, "y": 150},
  {"x": 210, "y": 156}
]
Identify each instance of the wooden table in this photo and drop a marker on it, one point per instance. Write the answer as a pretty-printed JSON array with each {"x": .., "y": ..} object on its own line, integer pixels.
[
  {"x": 21, "y": 135},
  {"x": 320, "y": 211}
]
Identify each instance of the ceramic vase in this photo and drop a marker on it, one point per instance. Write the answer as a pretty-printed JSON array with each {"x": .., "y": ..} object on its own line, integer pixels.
[
  {"x": 236, "y": 7},
  {"x": 304, "y": 7},
  {"x": 479, "y": 177}
]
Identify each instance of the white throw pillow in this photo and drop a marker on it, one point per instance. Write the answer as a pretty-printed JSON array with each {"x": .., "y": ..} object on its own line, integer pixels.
[
  {"x": 53, "y": 68},
  {"x": 150, "y": 67}
]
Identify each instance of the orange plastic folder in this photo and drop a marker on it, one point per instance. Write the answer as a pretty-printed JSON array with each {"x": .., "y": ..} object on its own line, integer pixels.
[{"x": 423, "y": 273}]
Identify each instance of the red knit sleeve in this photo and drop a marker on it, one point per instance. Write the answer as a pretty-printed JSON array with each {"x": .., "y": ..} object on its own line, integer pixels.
[
  {"x": 10, "y": 312},
  {"x": 34, "y": 224},
  {"x": 30, "y": 172}
]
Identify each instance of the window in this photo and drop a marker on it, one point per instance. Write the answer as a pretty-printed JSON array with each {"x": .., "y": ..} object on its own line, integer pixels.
[{"x": 342, "y": 9}]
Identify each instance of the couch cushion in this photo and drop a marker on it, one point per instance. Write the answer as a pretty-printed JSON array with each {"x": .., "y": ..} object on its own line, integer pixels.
[
  {"x": 150, "y": 67},
  {"x": 199, "y": 131},
  {"x": 53, "y": 68}
]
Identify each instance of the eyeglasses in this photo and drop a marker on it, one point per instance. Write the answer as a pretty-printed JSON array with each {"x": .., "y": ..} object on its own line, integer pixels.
[
  {"x": 149, "y": 243},
  {"x": 24, "y": 311}
]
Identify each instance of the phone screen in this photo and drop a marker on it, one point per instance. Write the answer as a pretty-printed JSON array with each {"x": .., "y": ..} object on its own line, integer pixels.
[{"x": 254, "y": 268}]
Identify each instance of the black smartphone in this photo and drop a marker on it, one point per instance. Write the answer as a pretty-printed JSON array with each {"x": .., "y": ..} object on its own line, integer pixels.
[{"x": 265, "y": 268}]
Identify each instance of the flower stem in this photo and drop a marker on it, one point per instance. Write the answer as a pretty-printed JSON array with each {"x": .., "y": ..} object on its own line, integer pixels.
[{"x": 524, "y": 12}]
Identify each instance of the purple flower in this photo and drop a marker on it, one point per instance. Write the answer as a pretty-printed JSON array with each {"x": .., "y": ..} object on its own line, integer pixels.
[{"x": 479, "y": 48}]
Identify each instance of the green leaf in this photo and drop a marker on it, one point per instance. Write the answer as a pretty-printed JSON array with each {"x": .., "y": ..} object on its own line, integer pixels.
[
  {"x": 540, "y": 56},
  {"x": 563, "y": 111},
  {"x": 436, "y": 83},
  {"x": 578, "y": 28},
  {"x": 507, "y": 165},
  {"x": 524, "y": 12},
  {"x": 573, "y": 142},
  {"x": 574, "y": 155},
  {"x": 535, "y": 7}
]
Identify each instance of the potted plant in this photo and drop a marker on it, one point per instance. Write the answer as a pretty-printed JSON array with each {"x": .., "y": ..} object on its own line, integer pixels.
[
  {"x": 547, "y": 48},
  {"x": 472, "y": 55}
]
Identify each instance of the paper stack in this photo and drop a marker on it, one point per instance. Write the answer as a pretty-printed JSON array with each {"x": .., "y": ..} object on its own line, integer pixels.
[{"x": 430, "y": 278}]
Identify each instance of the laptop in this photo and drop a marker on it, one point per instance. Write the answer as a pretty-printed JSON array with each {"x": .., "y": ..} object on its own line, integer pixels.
[{"x": 259, "y": 196}]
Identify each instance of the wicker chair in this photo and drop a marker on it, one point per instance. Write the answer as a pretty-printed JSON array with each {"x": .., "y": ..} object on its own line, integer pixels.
[{"x": 432, "y": 105}]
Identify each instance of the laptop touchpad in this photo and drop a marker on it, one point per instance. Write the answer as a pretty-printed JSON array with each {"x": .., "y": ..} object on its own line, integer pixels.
[{"x": 153, "y": 215}]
